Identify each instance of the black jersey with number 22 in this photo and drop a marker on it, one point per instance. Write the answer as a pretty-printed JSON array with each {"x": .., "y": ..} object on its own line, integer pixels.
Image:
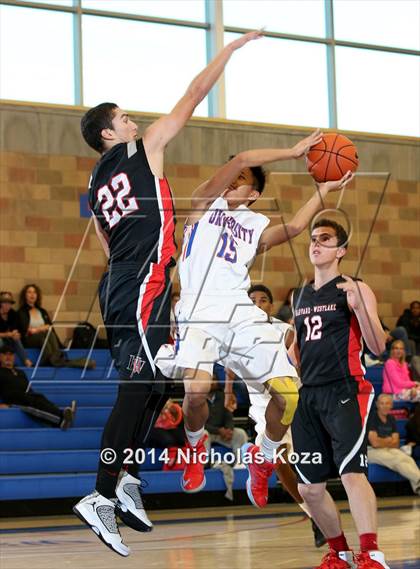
[{"x": 134, "y": 207}]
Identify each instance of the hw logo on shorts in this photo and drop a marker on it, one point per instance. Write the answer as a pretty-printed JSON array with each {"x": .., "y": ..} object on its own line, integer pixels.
[{"x": 135, "y": 365}]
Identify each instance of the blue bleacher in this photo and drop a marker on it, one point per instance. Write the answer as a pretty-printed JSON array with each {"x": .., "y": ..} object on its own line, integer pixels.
[
  {"x": 101, "y": 357},
  {"x": 374, "y": 375},
  {"x": 31, "y": 486},
  {"x": 39, "y": 461},
  {"x": 14, "y": 418}
]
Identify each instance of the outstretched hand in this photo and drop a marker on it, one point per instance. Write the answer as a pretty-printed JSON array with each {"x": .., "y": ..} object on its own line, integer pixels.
[
  {"x": 338, "y": 184},
  {"x": 303, "y": 146},
  {"x": 236, "y": 44}
]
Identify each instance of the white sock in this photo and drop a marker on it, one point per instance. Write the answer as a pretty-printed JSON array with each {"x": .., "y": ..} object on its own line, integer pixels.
[
  {"x": 194, "y": 436},
  {"x": 269, "y": 447},
  {"x": 305, "y": 508}
]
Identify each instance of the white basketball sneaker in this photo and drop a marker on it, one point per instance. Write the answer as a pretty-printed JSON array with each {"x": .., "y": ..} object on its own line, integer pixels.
[
  {"x": 348, "y": 557},
  {"x": 129, "y": 507},
  {"x": 98, "y": 513},
  {"x": 371, "y": 560}
]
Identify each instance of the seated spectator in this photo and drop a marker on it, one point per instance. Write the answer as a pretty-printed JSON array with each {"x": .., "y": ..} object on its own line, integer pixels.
[
  {"x": 169, "y": 429},
  {"x": 412, "y": 446},
  {"x": 384, "y": 442},
  {"x": 285, "y": 313},
  {"x": 398, "y": 333},
  {"x": 15, "y": 390},
  {"x": 410, "y": 319},
  {"x": 38, "y": 332},
  {"x": 396, "y": 376},
  {"x": 9, "y": 327},
  {"x": 220, "y": 425}
]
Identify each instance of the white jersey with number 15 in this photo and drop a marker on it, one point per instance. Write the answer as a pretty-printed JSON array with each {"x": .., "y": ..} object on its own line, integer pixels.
[{"x": 219, "y": 249}]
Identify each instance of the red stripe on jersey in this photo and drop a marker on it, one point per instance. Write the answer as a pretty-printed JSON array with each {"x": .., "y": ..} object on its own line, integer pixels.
[
  {"x": 365, "y": 390},
  {"x": 354, "y": 348},
  {"x": 168, "y": 246},
  {"x": 155, "y": 284}
]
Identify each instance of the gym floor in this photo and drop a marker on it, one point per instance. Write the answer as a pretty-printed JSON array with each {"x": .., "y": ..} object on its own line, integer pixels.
[{"x": 206, "y": 538}]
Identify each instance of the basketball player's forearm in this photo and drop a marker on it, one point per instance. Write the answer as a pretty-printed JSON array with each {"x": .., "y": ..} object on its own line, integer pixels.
[
  {"x": 231, "y": 170},
  {"x": 201, "y": 85},
  {"x": 282, "y": 233},
  {"x": 372, "y": 331},
  {"x": 303, "y": 217},
  {"x": 261, "y": 156}
]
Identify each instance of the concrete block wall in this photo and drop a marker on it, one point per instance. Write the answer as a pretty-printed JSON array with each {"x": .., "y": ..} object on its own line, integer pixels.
[{"x": 43, "y": 239}]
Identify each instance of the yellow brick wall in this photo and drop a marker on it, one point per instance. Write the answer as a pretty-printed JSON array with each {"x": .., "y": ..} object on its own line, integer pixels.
[{"x": 41, "y": 232}]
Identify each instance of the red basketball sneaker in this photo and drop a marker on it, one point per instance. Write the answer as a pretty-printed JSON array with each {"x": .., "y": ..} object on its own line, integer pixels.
[
  {"x": 193, "y": 478},
  {"x": 334, "y": 560},
  {"x": 259, "y": 473},
  {"x": 371, "y": 560}
]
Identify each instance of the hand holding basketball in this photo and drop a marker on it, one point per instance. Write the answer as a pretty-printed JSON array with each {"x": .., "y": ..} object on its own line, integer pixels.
[
  {"x": 303, "y": 146},
  {"x": 336, "y": 185}
]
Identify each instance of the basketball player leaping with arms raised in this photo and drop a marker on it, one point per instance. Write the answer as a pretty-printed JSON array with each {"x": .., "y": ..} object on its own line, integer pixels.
[
  {"x": 132, "y": 208},
  {"x": 216, "y": 319},
  {"x": 332, "y": 315}
]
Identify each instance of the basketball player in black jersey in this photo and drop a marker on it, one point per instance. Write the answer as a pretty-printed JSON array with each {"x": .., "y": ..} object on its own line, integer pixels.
[
  {"x": 132, "y": 208},
  {"x": 332, "y": 316}
]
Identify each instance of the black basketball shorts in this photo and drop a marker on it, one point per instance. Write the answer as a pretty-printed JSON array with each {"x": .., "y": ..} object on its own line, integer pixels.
[
  {"x": 135, "y": 308},
  {"x": 329, "y": 429}
]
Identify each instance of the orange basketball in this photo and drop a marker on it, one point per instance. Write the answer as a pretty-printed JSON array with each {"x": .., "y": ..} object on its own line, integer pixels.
[{"x": 331, "y": 158}]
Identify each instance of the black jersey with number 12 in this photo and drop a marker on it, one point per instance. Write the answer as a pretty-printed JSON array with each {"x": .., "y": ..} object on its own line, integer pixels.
[
  {"x": 327, "y": 333},
  {"x": 133, "y": 206}
]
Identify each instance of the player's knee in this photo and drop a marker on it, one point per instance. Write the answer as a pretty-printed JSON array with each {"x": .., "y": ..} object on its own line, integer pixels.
[
  {"x": 285, "y": 392},
  {"x": 352, "y": 479},
  {"x": 196, "y": 391},
  {"x": 311, "y": 493},
  {"x": 195, "y": 399}
]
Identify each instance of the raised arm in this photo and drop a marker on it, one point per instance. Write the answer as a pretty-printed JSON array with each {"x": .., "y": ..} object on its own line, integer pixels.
[
  {"x": 362, "y": 302},
  {"x": 229, "y": 172},
  {"x": 277, "y": 234},
  {"x": 161, "y": 132}
]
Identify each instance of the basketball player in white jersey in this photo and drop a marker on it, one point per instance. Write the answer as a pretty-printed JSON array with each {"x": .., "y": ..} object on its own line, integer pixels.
[{"x": 216, "y": 319}]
